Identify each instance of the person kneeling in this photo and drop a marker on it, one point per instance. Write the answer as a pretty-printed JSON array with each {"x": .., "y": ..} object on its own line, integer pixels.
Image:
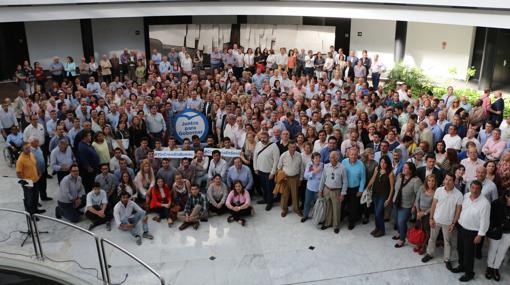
[
  {"x": 195, "y": 209},
  {"x": 128, "y": 214},
  {"x": 71, "y": 196},
  {"x": 238, "y": 202},
  {"x": 161, "y": 200},
  {"x": 98, "y": 211}
]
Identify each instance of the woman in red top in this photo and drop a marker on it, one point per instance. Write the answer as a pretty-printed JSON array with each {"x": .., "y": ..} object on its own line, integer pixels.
[{"x": 161, "y": 200}]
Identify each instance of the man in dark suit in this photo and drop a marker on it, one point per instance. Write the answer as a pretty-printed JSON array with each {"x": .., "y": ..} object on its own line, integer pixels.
[
  {"x": 207, "y": 110},
  {"x": 376, "y": 142},
  {"x": 430, "y": 168}
]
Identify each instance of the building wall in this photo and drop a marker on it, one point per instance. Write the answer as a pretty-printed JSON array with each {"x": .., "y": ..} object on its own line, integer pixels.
[
  {"x": 113, "y": 35},
  {"x": 377, "y": 37},
  {"x": 436, "y": 48},
  {"x": 54, "y": 38}
]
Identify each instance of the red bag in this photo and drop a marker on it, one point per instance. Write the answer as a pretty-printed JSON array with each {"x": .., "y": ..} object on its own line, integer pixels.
[{"x": 416, "y": 235}]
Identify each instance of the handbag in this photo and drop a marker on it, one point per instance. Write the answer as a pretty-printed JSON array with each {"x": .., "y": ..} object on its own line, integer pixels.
[
  {"x": 416, "y": 235},
  {"x": 319, "y": 211}
]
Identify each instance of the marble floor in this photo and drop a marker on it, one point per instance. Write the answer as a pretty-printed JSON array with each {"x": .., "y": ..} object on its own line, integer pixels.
[{"x": 269, "y": 250}]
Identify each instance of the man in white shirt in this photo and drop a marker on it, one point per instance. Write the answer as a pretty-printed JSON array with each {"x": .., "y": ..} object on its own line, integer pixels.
[
  {"x": 444, "y": 214},
  {"x": 128, "y": 215},
  {"x": 282, "y": 59},
  {"x": 473, "y": 224},
  {"x": 265, "y": 162},
  {"x": 35, "y": 129},
  {"x": 489, "y": 189},
  {"x": 471, "y": 163},
  {"x": 290, "y": 163},
  {"x": 217, "y": 166},
  {"x": 96, "y": 207},
  {"x": 452, "y": 139}
]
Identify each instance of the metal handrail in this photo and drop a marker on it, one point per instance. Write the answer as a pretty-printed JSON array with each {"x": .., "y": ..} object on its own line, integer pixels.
[
  {"x": 141, "y": 262},
  {"x": 103, "y": 262},
  {"x": 96, "y": 239},
  {"x": 31, "y": 231}
]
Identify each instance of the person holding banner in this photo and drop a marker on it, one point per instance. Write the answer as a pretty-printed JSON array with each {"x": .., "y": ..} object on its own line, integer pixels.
[
  {"x": 265, "y": 161},
  {"x": 199, "y": 164},
  {"x": 217, "y": 166}
]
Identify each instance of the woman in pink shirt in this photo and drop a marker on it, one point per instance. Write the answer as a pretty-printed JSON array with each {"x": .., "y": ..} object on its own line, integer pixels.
[
  {"x": 486, "y": 101},
  {"x": 238, "y": 202}
]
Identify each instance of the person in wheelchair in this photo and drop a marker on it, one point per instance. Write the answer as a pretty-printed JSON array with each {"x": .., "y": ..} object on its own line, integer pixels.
[{"x": 14, "y": 143}]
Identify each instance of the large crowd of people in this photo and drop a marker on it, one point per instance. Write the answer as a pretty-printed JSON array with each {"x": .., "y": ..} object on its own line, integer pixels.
[{"x": 307, "y": 125}]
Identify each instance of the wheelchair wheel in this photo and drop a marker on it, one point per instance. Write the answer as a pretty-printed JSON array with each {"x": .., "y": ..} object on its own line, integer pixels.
[{"x": 7, "y": 157}]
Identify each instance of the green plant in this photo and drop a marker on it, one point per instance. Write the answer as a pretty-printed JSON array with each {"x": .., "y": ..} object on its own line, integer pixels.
[
  {"x": 420, "y": 83},
  {"x": 414, "y": 77}
]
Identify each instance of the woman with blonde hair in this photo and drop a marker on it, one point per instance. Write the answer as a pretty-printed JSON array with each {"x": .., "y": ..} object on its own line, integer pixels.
[
  {"x": 144, "y": 179},
  {"x": 423, "y": 203}
]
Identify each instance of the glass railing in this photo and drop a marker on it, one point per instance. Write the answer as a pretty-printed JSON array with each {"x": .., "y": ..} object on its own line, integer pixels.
[{"x": 55, "y": 244}]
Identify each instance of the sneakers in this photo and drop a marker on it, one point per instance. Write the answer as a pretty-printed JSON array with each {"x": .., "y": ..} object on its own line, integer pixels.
[
  {"x": 336, "y": 231},
  {"x": 138, "y": 240},
  {"x": 57, "y": 213},
  {"x": 147, "y": 235},
  {"x": 108, "y": 226},
  {"x": 427, "y": 258}
]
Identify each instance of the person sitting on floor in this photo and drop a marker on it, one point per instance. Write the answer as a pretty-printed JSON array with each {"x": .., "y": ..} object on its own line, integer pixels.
[
  {"x": 217, "y": 195},
  {"x": 238, "y": 202},
  {"x": 195, "y": 209},
  {"x": 97, "y": 210},
  {"x": 160, "y": 201},
  {"x": 128, "y": 215}
]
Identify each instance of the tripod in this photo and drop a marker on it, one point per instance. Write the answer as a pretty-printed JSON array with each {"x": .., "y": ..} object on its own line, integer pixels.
[{"x": 29, "y": 232}]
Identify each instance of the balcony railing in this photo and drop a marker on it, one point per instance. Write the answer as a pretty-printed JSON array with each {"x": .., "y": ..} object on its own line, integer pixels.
[{"x": 47, "y": 240}]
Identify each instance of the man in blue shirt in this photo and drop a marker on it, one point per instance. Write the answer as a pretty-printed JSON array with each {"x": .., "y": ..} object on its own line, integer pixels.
[
  {"x": 292, "y": 125},
  {"x": 240, "y": 172},
  {"x": 437, "y": 134},
  {"x": 355, "y": 186},
  {"x": 332, "y": 146},
  {"x": 258, "y": 78},
  {"x": 88, "y": 160}
]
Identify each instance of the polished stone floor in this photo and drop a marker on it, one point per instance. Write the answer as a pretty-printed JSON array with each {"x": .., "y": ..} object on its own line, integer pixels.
[{"x": 269, "y": 250}]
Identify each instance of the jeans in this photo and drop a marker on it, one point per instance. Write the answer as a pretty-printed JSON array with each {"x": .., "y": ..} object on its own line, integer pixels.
[
  {"x": 267, "y": 187},
  {"x": 201, "y": 181},
  {"x": 137, "y": 217},
  {"x": 379, "y": 213},
  {"x": 310, "y": 196},
  {"x": 71, "y": 213},
  {"x": 402, "y": 215}
]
